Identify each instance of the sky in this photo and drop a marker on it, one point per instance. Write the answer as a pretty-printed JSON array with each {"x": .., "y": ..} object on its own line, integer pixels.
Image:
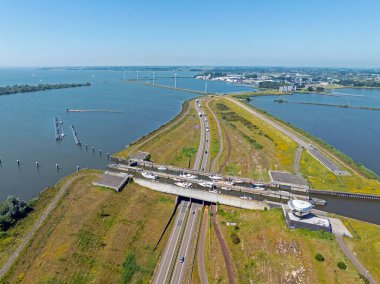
[{"x": 336, "y": 33}]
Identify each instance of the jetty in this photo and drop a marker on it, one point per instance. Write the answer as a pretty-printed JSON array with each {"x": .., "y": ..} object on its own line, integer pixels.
[
  {"x": 58, "y": 129},
  {"x": 75, "y": 135},
  {"x": 94, "y": 110}
]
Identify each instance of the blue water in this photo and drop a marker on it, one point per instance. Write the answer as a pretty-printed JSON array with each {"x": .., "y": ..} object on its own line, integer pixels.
[
  {"x": 355, "y": 132},
  {"x": 27, "y": 131}
]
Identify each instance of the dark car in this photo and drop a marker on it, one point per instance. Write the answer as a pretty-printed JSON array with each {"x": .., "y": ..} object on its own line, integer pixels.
[{"x": 181, "y": 259}]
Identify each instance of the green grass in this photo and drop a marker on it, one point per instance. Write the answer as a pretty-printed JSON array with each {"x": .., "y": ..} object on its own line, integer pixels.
[
  {"x": 96, "y": 235},
  {"x": 321, "y": 178},
  {"x": 365, "y": 244},
  {"x": 268, "y": 252}
]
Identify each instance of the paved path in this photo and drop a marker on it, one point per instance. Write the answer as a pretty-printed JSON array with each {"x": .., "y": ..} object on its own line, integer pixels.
[
  {"x": 201, "y": 249},
  {"x": 35, "y": 227},
  {"x": 304, "y": 143},
  {"x": 214, "y": 161},
  {"x": 354, "y": 260},
  {"x": 227, "y": 260}
]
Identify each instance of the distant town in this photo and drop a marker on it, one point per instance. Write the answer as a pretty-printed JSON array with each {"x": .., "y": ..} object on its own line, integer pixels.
[{"x": 287, "y": 80}]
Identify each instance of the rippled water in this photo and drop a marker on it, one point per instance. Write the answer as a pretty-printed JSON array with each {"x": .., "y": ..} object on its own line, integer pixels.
[{"x": 27, "y": 130}]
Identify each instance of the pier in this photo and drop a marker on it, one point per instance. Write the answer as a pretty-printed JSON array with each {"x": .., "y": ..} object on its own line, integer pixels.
[
  {"x": 58, "y": 129},
  {"x": 77, "y": 142},
  {"x": 94, "y": 110}
]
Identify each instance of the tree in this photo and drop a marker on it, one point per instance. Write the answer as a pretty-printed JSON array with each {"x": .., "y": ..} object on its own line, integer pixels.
[
  {"x": 320, "y": 89},
  {"x": 319, "y": 257},
  {"x": 12, "y": 210},
  {"x": 310, "y": 88},
  {"x": 342, "y": 265}
]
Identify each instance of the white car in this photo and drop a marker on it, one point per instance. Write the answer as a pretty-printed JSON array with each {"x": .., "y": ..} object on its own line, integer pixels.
[
  {"x": 188, "y": 176},
  {"x": 215, "y": 177},
  {"x": 149, "y": 175},
  {"x": 206, "y": 184}
]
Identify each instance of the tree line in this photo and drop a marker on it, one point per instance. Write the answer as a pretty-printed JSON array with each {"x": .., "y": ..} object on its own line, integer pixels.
[
  {"x": 12, "y": 210},
  {"x": 15, "y": 89}
]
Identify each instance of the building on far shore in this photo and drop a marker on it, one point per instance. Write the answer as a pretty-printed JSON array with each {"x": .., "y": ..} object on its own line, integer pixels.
[{"x": 287, "y": 89}]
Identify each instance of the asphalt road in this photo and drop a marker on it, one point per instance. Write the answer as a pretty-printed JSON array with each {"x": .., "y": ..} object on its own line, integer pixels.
[
  {"x": 311, "y": 149},
  {"x": 188, "y": 240},
  {"x": 201, "y": 147},
  {"x": 167, "y": 256}
]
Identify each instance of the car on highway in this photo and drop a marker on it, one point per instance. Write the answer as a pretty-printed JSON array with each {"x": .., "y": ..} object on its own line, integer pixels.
[{"x": 181, "y": 259}]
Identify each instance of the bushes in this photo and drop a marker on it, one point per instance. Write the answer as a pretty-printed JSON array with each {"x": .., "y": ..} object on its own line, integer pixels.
[
  {"x": 130, "y": 267},
  {"x": 319, "y": 257},
  {"x": 342, "y": 265},
  {"x": 12, "y": 210},
  {"x": 235, "y": 238}
]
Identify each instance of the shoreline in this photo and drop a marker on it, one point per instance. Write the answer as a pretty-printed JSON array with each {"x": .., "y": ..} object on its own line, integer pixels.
[{"x": 335, "y": 153}]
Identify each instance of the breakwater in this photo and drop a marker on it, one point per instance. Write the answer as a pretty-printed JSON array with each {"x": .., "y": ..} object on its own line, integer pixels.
[{"x": 327, "y": 105}]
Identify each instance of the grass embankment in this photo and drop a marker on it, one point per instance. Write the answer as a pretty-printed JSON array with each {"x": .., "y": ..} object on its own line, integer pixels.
[
  {"x": 319, "y": 177},
  {"x": 96, "y": 235},
  {"x": 361, "y": 179},
  {"x": 214, "y": 260},
  {"x": 10, "y": 239},
  {"x": 214, "y": 133},
  {"x": 255, "y": 145},
  {"x": 365, "y": 244},
  {"x": 265, "y": 251},
  {"x": 176, "y": 145}
]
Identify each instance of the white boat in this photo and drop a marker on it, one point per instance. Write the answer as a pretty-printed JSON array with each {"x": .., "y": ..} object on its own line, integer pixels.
[
  {"x": 184, "y": 184},
  {"x": 149, "y": 175},
  {"x": 213, "y": 191},
  {"x": 226, "y": 188},
  {"x": 246, "y": 197},
  {"x": 215, "y": 177},
  {"x": 206, "y": 184},
  {"x": 187, "y": 176},
  {"x": 237, "y": 181},
  {"x": 258, "y": 184},
  {"x": 176, "y": 179},
  {"x": 259, "y": 188},
  {"x": 161, "y": 168}
]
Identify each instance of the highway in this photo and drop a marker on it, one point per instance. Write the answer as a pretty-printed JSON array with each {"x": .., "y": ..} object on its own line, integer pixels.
[
  {"x": 187, "y": 245},
  {"x": 188, "y": 242},
  {"x": 170, "y": 258},
  {"x": 167, "y": 256}
]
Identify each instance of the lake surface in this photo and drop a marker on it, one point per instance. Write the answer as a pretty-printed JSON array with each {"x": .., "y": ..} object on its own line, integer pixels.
[
  {"x": 355, "y": 132},
  {"x": 27, "y": 129}
]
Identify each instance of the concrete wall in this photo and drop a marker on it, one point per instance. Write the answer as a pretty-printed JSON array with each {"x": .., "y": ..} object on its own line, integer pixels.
[{"x": 203, "y": 195}]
